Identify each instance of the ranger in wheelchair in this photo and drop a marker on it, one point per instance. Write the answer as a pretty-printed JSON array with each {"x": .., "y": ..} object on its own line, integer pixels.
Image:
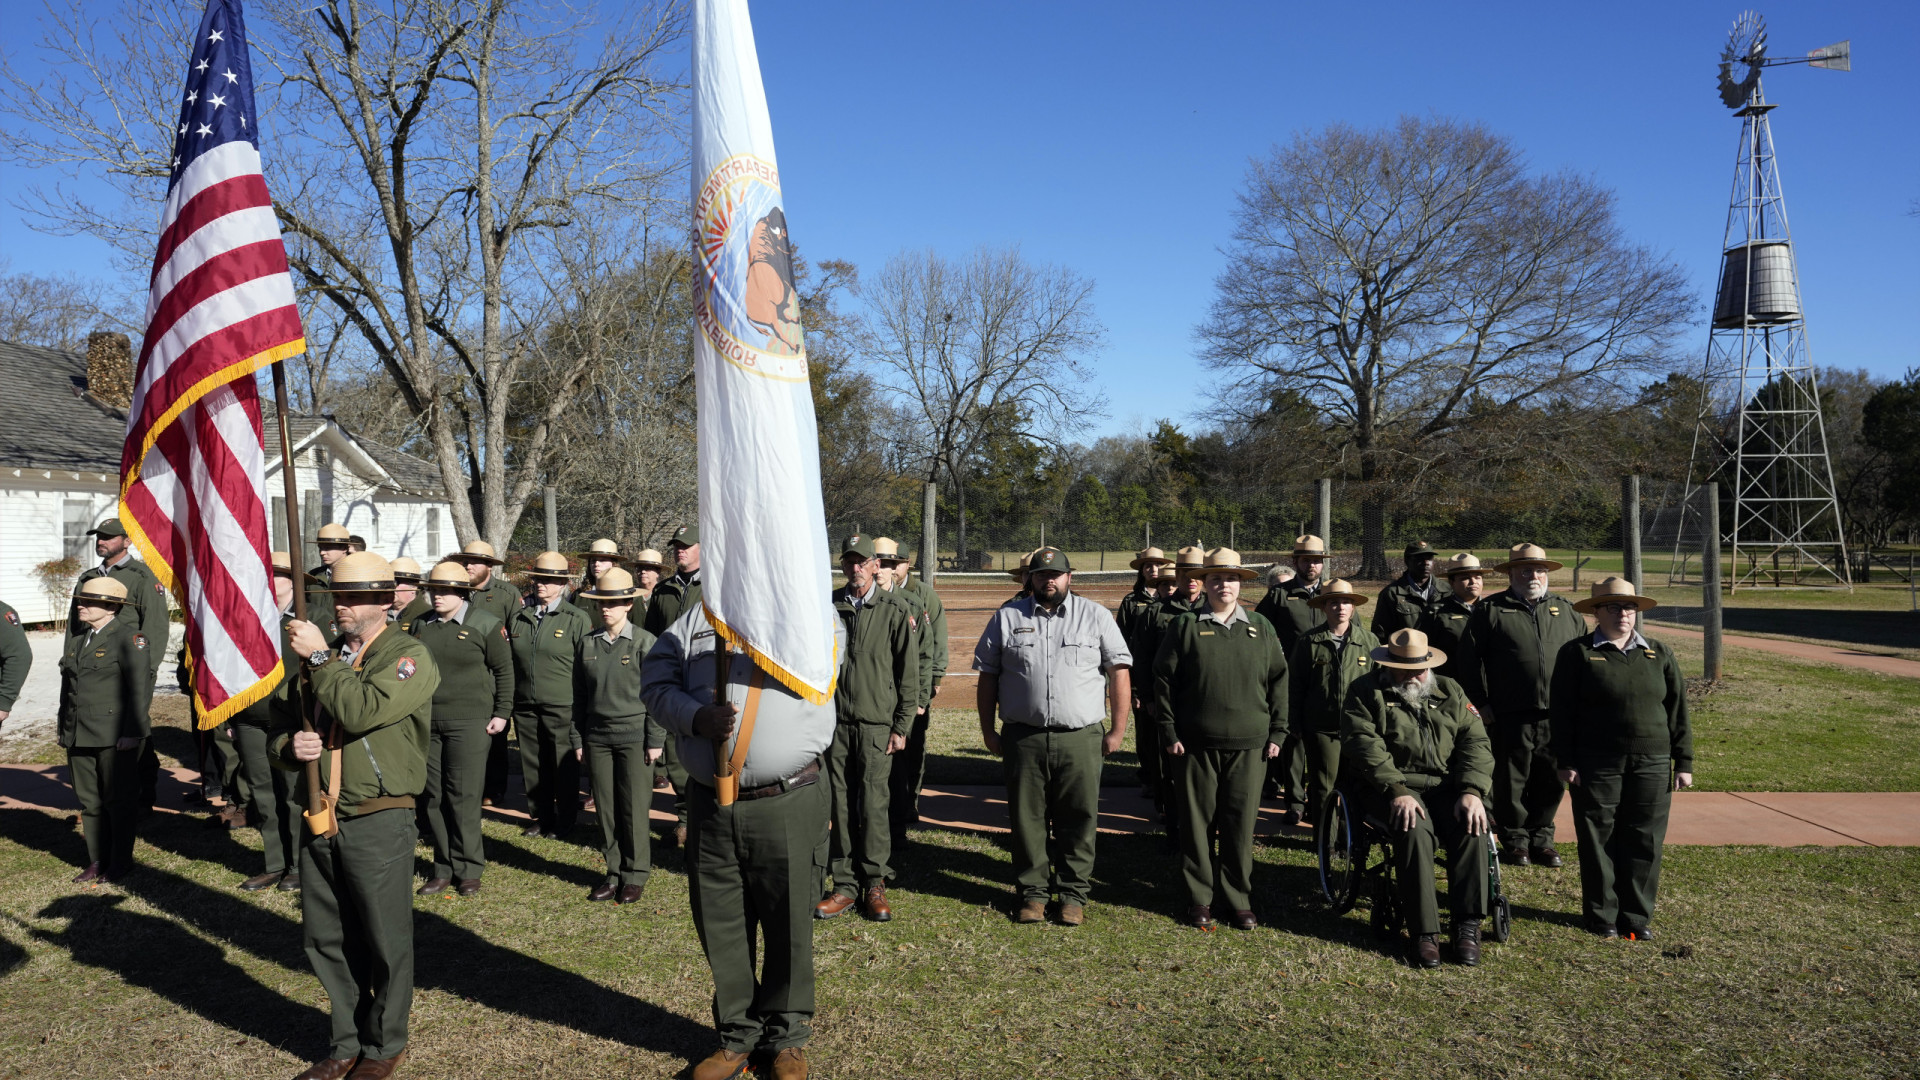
[{"x": 1417, "y": 758}]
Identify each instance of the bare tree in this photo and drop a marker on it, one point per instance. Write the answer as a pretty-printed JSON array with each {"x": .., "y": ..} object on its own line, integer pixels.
[
  {"x": 58, "y": 310},
  {"x": 968, "y": 348},
  {"x": 1425, "y": 296},
  {"x": 432, "y": 161}
]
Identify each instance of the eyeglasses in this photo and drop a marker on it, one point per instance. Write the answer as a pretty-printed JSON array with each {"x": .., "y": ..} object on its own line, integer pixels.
[{"x": 1616, "y": 609}]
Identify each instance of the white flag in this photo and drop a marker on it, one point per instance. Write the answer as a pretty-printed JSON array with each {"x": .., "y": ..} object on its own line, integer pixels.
[{"x": 766, "y": 577}]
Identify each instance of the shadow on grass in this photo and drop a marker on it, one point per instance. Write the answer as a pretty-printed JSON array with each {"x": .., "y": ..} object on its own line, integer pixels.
[
  {"x": 11, "y": 956},
  {"x": 521, "y": 857}
]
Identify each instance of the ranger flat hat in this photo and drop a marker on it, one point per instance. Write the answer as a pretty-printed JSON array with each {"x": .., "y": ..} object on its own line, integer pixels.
[
  {"x": 1019, "y": 569},
  {"x": 1191, "y": 557},
  {"x": 1417, "y": 549},
  {"x": 406, "y": 570},
  {"x": 102, "y": 590},
  {"x": 1408, "y": 650},
  {"x": 858, "y": 544},
  {"x": 686, "y": 536},
  {"x": 362, "y": 571},
  {"x": 615, "y": 584},
  {"x": 887, "y": 550},
  {"x": 448, "y": 574},
  {"x": 1309, "y": 544},
  {"x": 109, "y": 527},
  {"x": 283, "y": 561},
  {"x": 602, "y": 548},
  {"x": 1464, "y": 563},
  {"x": 1151, "y": 556},
  {"x": 1221, "y": 560},
  {"x": 1613, "y": 590},
  {"x": 550, "y": 566},
  {"x": 1336, "y": 589},
  {"x": 333, "y": 535},
  {"x": 1527, "y": 555},
  {"x": 649, "y": 558},
  {"x": 1049, "y": 560},
  {"x": 1167, "y": 572},
  {"x": 477, "y": 551}
]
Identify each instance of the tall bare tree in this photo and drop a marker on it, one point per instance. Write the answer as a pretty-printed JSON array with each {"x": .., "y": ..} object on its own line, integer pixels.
[
  {"x": 59, "y": 310},
  {"x": 968, "y": 348},
  {"x": 1426, "y": 296}
]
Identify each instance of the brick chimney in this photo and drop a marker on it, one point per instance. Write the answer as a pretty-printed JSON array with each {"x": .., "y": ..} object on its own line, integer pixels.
[{"x": 110, "y": 368}]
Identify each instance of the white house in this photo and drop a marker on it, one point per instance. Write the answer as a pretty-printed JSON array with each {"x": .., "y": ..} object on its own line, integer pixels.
[{"x": 60, "y": 472}]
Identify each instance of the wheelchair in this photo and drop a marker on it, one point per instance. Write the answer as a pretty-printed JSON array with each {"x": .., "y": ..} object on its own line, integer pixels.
[{"x": 1356, "y": 857}]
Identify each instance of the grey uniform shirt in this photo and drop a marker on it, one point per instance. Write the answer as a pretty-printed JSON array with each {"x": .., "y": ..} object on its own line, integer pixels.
[
  {"x": 676, "y": 681},
  {"x": 1052, "y": 665}
]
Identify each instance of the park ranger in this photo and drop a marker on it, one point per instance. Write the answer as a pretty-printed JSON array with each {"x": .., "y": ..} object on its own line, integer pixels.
[
  {"x": 1623, "y": 743},
  {"x": 1134, "y": 607},
  {"x": 1322, "y": 666},
  {"x": 1174, "y": 591},
  {"x": 910, "y": 765},
  {"x": 751, "y": 874},
  {"x": 106, "y": 687},
  {"x": 1289, "y": 607},
  {"x": 674, "y": 596},
  {"x": 408, "y": 603},
  {"x": 622, "y": 744},
  {"x": 1446, "y": 624},
  {"x": 1146, "y": 565},
  {"x": 496, "y": 596},
  {"x": 1051, "y": 666},
  {"x": 546, "y": 635},
  {"x": 475, "y": 697},
  {"x": 376, "y": 702},
  {"x": 1506, "y": 664},
  {"x": 875, "y": 703},
  {"x": 254, "y": 728},
  {"x": 16, "y": 659},
  {"x": 145, "y": 608},
  {"x": 1419, "y": 759},
  {"x": 647, "y": 567},
  {"x": 601, "y": 556},
  {"x": 1407, "y": 603},
  {"x": 334, "y": 542},
  {"x": 1220, "y": 692}
]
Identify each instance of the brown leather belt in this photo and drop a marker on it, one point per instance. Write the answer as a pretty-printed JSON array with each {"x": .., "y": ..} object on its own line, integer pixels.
[{"x": 808, "y": 775}]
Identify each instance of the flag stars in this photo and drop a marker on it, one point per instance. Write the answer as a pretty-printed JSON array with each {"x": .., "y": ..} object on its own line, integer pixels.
[
  {"x": 231, "y": 77},
  {"x": 205, "y": 130},
  {"x": 193, "y": 96},
  {"x": 202, "y": 65},
  {"x": 215, "y": 37},
  {"x": 217, "y": 100}
]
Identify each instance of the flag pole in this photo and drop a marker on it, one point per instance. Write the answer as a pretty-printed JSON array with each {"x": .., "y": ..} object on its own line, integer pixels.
[{"x": 293, "y": 557}]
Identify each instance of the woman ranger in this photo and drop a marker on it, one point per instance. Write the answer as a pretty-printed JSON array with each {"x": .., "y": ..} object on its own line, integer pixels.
[
  {"x": 621, "y": 745},
  {"x": 546, "y": 636},
  {"x": 1326, "y": 661},
  {"x": 106, "y": 686}
]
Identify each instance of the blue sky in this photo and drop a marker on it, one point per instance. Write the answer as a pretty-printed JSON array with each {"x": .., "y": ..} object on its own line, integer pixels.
[{"x": 1112, "y": 137}]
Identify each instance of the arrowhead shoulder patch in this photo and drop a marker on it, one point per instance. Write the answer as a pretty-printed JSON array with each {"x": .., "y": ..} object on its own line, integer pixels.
[
  {"x": 139, "y": 641},
  {"x": 404, "y": 669},
  {"x": 13, "y": 618}
]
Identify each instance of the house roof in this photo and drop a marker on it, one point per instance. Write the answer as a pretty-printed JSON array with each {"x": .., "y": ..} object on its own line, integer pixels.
[{"x": 51, "y": 421}]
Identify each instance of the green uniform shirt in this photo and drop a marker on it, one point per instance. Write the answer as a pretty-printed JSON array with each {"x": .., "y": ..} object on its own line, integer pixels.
[
  {"x": 544, "y": 649},
  {"x": 606, "y": 697},
  {"x": 381, "y": 701},
  {"x": 106, "y": 686},
  {"x": 930, "y": 623},
  {"x": 420, "y": 606},
  {"x": 671, "y": 598},
  {"x": 1609, "y": 702},
  {"x": 1507, "y": 654},
  {"x": 497, "y": 598},
  {"x": 476, "y": 664},
  {"x": 1444, "y": 627},
  {"x": 1398, "y": 749},
  {"x": 144, "y": 611},
  {"x": 16, "y": 656},
  {"x": 1131, "y": 607},
  {"x": 1220, "y": 687},
  {"x": 1319, "y": 674},
  {"x": 879, "y": 680},
  {"x": 1402, "y": 607},
  {"x": 1287, "y": 609}
]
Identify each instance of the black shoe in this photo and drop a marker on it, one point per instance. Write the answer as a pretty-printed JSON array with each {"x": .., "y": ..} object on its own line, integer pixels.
[
  {"x": 531, "y": 830},
  {"x": 1602, "y": 930},
  {"x": 1632, "y": 933},
  {"x": 1545, "y": 856},
  {"x": 289, "y": 883},
  {"x": 1426, "y": 951},
  {"x": 1514, "y": 855},
  {"x": 1466, "y": 942}
]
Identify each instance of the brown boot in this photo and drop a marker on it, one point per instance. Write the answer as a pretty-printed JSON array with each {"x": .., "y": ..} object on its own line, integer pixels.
[
  {"x": 1033, "y": 911},
  {"x": 377, "y": 1069},
  {"x": 834, "y": 906},
  {"x": 790, "y": 1064},
  {"x": 88, "y": 876},
  {"x": 875, "y": 904},
  {"x": 261, "y": 882},
  {"x": 434, "y": 887},
  {"x": 328, "y": 1069},
  {"x": 1072, "y": 914},
  {"x": 724, "y": 1064}
]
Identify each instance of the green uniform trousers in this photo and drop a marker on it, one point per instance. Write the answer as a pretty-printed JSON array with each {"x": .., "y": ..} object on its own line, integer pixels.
[
  {"x": 1217, "y": 793},
  {"x": 547, "y": 765},
  {"x": 1290, "y": 772},
  {"x": 271, "y": 796},
  {"x": 1320, "y": 756},
  {"x": 861, "y": 844},
  {"x": 356, "y": 919},
  {"x": 1526, "y": 780},
  {"x": 752, "y": 871},
  {"x": 106, "y": 781},
  {"x": 456, "y": 768},
  {"x": 220, "y": 762},
  {"x": 496, "y": 766},
  {"x": 1152, "y": 757},
  {"x": 1413, "y": 861},
  {"x": 908, "y": 775},
  {"x": 622, "y": 784},
  {"x": 676, "y": 776},
  {"x": 1053, "y": 797},
  {"x": 1620, "y": 811}
]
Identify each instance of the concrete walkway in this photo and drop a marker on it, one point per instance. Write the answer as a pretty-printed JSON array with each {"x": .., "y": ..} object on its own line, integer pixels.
[
  {"x": 1707, "y": 818},
  {"x": 1800, "y": 650}
]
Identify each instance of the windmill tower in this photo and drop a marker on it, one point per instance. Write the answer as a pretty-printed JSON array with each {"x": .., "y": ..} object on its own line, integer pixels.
[{"x": 1782, "y": 517}]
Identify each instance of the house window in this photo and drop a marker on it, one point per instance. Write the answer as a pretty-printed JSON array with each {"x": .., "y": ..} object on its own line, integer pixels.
[
  {"x": 76, "y": 517},
  {"x": 433, "y": 533}
]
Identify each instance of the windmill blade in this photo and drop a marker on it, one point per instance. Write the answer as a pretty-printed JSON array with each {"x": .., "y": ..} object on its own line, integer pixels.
[{"x": 1837, "y": 57}]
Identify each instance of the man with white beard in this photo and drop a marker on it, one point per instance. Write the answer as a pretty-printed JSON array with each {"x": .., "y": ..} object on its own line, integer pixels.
[{"x": 1506, "y": 664}]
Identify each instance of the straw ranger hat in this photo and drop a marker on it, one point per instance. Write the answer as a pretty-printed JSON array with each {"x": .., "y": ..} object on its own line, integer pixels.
[
  {"x": 1151, "y": 556},
  {"x": 1464, "y": 563},
  {"x": 1408, "y": 650},
  {"x": 615, "y": 584},
  {"x": 283, "y": 563},
  {"x": 1019, "y": 571},
  {"x": 549, "y": 566},
  {"x": 1221, "y": 560},
  {"x": 406, "y": 570},
  {"x": 448, "y": 574},
  {"x": 1613, "y": 590},
  {"x": 332, "y": 535},
  {"x": 1309, "y": 544},
  {"x": 478, "y": 551},
  {"x": 1527, "y": 555},
  {"x": 1337, "y": 589},
  {"x": 602, "y": 548},
  {"x": 102, "y": 590},
  {"x": 887, "y": 550},
  {"x": 1166, "y": 572},
  {"x": 1191, "y": 557},
  {"x": 362, "y": 571},
  {"x": 648, "y": 559}
]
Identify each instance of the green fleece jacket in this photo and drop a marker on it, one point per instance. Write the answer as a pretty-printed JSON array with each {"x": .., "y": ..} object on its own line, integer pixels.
[
  {"x": 1506, "y": 656},
  {"x": 544, "y": 650},
  {"x": 1220, "y": 687},
  {"x": 382, "y": 705},
  {"x": 880, "y": 677},
  {"x": 1609, "y": 703},
  {"x": 475, "y": 662},
  {"x": 607, "y": 710},
  {"x": 106, "y": 686},
  {"x": 1319, "y": 676},
  {"x": 1398, "y": 749}
]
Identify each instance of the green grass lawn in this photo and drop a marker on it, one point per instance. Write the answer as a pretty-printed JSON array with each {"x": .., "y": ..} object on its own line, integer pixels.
[{"x": 1770, "y": 963}]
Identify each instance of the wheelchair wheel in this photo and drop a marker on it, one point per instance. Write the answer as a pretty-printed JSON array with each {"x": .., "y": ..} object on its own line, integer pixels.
[
  {"x": 1501, "y": 925},
  {"x": 1386, "y": 906},
  {"x": 1499, "y": 908},
  {"x": 1342, "y": 854}
]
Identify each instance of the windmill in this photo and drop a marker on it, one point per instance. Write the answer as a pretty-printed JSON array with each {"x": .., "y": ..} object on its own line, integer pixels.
[{"x": 1784, "y": 522}]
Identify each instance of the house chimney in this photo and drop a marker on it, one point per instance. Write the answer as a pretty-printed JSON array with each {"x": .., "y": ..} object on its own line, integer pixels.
[{"x": 110, "y": 368}]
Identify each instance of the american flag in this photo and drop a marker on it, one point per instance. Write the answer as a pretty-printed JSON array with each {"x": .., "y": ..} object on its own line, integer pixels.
[{"x": 220, "y": 307}]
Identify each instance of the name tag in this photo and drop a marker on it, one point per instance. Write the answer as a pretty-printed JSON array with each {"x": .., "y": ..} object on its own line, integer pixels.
[
  {"x": 1599, "y": 659},
  {"x": 1023, "y": 629},
  {"x": 1206, "y": 633},
  {"x": 703, "y": 635}
]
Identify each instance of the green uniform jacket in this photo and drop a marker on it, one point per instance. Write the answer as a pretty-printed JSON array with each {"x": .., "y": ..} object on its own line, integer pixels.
[
  {"x": 144, "y": 611},
  {"x": 475, "y": 662},
  {"x": 544, "y": 650},
  {"x": 1506, "y": 655},
  {"x": 106, "y": 687},
  {"x": 1401, "y": 608},
  {"x": 1607, "y": 702},
  {"x": 1287, "y": 609},
  {"x": 881, "y": 672},
  {"x": 1220, "y": 687},
  {"x": 1398, "y": 750},
  {"x": 319, "y": 601},
  {"x": 420, "y": 606},
  {"x": 1444, "y": 626},
  {"x": 16, "y": 657},
  {"x": 277, "y": 709},
  {"x": 607, "y": 708},
  {"x": 1319, "y": 676},
  {"x": 671, "y": 598},
  {"x": 384, "y": 708},
  {"x": 497, "y": 598},
  {"x": 1154, "y": 622},
  {"x": 1131, "y": 607},
  {"x": 930, "y": 617}
]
